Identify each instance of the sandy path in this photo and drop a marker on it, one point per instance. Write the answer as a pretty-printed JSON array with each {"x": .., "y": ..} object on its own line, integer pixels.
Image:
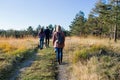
[
  {"x": 63, "y": 69},
  {"x": 22, "y": 67}
]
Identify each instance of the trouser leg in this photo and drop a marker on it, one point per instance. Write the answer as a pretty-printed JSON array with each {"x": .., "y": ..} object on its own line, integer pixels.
[
  {"x": 57, "y": 51},
  {"x": 41, "y": 43},
  {"x": 60, "y": 54},
  {"x": 48, "y": 42}
]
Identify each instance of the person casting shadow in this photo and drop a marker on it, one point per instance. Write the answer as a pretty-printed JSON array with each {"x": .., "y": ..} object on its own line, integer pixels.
[
  {"x": 58, "y": 43},
  {"x": 41, "y": 38},
  {"x": 47, "y": 36}
]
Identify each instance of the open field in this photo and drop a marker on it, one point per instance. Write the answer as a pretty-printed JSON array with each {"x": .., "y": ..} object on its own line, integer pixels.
[
  {"x": 23, "y": 60},
  {"x": 13, "y": 51},
  {"x": 84, "y": 59},
  {"x": 93, "y": 58}
]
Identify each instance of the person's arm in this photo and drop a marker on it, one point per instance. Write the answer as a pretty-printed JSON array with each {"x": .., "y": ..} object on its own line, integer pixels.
[
  {"x": 63, "y": 36},
  {"x": 53, "y": 38},
  {"x": 38, "y": 34}
]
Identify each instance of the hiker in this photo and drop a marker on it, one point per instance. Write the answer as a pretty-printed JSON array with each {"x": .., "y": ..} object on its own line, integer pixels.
[
  {"x": 41, "y": 35},
  {"x": 54, "y": 30},
  {"x": 47, "y": 36},
  {"x": 58, "y": 43}
]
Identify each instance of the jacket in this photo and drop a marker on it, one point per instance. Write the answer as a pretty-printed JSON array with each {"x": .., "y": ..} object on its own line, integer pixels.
[{"x": 55, "y": 41}]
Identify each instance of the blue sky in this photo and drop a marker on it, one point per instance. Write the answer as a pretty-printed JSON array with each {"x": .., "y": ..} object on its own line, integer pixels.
[{"x": 19, "y": 14}]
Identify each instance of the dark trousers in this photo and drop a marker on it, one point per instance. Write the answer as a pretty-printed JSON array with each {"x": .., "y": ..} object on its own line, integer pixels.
[
  {"x": 41, "y": 43},
  {"x": 47, "y": 42},
  {"x": 59, "y": 53}
]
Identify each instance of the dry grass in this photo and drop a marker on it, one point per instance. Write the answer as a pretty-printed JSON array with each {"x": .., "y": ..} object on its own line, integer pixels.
[
  {"x": 85, "y": 72},
  {"x": 12, "y": 51},
  {"x": 9, "y": 45},
  {"x": 75, "y": 42},
  {"x": 93, "y": 69}
]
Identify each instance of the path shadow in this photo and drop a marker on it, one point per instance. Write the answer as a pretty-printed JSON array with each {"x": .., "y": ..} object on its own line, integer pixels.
[{"x": 64, "y": 63}]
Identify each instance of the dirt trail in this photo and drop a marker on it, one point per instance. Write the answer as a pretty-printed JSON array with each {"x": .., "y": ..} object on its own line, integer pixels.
[
  {"x": 22, "y": 67},
  {"x": 63, "y": 73},
  {"x": 63, "y": 69}
]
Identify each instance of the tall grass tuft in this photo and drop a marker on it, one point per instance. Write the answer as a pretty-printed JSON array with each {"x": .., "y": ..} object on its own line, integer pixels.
[
  {"x": 85, "y": 53},
  {"x": 80, "y": 55},
  {"x": 85, "y": 72}
]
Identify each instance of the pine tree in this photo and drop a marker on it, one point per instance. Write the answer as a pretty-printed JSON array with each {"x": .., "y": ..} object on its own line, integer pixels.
[{"x": 77, "y": 26}]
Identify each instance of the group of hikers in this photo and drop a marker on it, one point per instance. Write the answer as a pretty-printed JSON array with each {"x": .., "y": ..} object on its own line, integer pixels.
[
  {"x": 58, "y": 40},
  {"x": 44, "y": 34}
]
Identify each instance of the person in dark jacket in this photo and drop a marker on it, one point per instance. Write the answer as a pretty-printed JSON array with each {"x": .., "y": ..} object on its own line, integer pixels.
[{"x": 47, "y": 36}]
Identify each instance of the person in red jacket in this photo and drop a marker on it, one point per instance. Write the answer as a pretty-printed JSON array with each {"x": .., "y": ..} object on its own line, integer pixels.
[{"x": 58, "y": 43}]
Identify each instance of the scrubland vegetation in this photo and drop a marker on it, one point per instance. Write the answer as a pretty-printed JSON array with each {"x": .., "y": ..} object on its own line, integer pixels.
[
  {"x": 89, "y": 58},
  {"x": 12, "y": 52},
  {"x": 93, "y": 58}
]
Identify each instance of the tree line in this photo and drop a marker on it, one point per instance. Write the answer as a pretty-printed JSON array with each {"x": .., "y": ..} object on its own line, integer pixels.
[
  {"x": 29, "y": 32},
  {"x": 103, "y": 20}
]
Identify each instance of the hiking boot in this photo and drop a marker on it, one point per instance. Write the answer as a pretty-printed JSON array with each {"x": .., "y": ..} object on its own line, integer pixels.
[
  {"x": 55, "y": 51},
  {"x": 41, "y": 48},
  {"x": 59, "y": 61}
]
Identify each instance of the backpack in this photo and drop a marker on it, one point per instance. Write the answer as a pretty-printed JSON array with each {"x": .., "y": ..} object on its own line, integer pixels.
[{"x": 60, "y": 38}]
